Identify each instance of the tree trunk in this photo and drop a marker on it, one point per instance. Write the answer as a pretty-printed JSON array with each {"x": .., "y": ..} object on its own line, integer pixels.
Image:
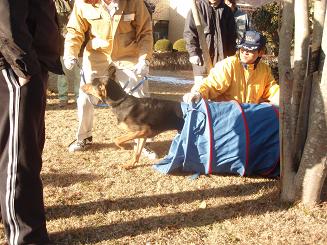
[
  {"x": 301, "y": 47},
  {"x": 318, "y": 24},
  {"x": 313, "y": 168},
  {"x": 303, "y": 113},
  {"x": 302, "y": 121},
  {"x": 312, "y": 66},
  {"x": 200, "y": 30},
  {"x": 286, "y": 80}
]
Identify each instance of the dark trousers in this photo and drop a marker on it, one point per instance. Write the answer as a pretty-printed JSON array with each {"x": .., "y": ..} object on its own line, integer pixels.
[{"x": 22, "y": 136}]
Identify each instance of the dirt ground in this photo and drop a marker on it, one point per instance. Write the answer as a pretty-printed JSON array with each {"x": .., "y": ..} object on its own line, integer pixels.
[{"x": 90, "y": 199}]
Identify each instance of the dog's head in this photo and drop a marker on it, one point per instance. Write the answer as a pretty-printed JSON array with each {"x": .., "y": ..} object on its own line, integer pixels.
[{"x": 106, "y": 89}]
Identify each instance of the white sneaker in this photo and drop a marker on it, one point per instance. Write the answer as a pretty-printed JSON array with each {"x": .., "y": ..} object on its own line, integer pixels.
[
  {"x": 147, "y": 152},
  {"x": 80, "y": 145}
]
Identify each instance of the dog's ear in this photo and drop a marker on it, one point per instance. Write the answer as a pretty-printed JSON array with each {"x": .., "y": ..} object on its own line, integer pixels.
[
  {"x": 91, "y": 90},
  {"x": 111, "y": 72}
]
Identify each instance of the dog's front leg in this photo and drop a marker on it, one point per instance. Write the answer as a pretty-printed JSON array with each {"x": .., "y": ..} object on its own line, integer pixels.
[
  {"x": 139, "y": 147},
  {"x": 137, "y": 153}
]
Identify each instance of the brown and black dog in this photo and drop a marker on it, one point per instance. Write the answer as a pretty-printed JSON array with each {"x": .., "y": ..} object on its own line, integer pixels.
[{"x": 142, "y": 117}]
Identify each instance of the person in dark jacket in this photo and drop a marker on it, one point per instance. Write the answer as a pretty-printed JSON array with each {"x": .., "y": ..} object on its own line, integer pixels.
[
  {"x": 64, "y": 8},
  {"x": 29, "y": 48},
  {"x": 242, "y": 20},
  {"x": 220, "y": 33}
]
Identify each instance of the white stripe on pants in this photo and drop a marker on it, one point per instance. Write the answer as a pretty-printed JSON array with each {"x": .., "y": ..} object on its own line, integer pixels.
[{"x": 14, "y": 97}]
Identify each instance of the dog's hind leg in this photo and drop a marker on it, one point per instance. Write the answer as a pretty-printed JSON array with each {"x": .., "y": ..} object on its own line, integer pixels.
[{"x": 127, "y": 137}]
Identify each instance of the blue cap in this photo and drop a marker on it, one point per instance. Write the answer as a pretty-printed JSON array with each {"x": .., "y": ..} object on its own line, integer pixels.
[{"x": 252, "y": 41}]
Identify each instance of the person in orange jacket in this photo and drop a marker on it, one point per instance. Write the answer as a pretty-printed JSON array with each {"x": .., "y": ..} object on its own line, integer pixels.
[
  {"x": 120, "y": 34},
  {"x": 242, "y": 77}
]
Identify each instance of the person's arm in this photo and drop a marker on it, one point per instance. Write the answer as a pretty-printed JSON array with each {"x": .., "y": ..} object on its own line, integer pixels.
[
  {"x": 16, "y": 42},
  {"x": 271, "y": 90},
  {"x": 231, "y": 33},
  {"x": 144, "y": 33},
  {"x": 218, "y": 80},
  {"x": 191, "y": 36},
  {"x": 77, "y": 26}
]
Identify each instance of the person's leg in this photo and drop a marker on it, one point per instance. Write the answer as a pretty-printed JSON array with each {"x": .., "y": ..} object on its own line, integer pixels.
[
  {"x": 85, "y": 116},
  {"x": 62, "y": 85},
  {"x": 76, "y": 78},
  {"x": 21, "y": 144},
  {"x": 85, "y": 111}
]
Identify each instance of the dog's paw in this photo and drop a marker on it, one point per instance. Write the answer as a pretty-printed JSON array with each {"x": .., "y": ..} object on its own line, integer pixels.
[
  {"x": 130, "y": 164},
  {"x": 127, "y": 166},
  {"x": 123, "y": 145},
  {"x": 120, "y": 146}
]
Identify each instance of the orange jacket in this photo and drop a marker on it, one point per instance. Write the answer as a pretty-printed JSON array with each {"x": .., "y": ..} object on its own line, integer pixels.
[
  {"x": 230, "y": 80},
  {"x": 124, "y": 38}
]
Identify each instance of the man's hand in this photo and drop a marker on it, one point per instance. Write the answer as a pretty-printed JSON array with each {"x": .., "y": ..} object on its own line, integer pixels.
[
  {"x": 192, "y": 97},
  {"x": 142, "y": 68},
  {"x": 195, "y": 60},
  {"x": 69, "y": 62},
  {"x": 22, "y": 81}
]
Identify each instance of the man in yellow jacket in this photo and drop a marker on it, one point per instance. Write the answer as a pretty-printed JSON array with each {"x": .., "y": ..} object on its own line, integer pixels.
[
  {"x": 120, "y": 33},
  {"x": 242, "y": 77}
]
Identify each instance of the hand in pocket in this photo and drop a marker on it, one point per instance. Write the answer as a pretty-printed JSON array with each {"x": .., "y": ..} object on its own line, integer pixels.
[{"x": 22, "y": 81}]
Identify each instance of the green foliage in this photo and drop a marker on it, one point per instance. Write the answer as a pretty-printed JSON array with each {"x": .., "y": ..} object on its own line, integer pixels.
[
  {"x": 266, "y": 20},
  {"x": 180, "y": 45},
  {"x": 163, "y": 45}
]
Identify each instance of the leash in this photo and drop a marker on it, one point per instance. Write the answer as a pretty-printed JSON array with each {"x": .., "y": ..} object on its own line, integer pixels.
[
  {"x": 81, "y": 71},
  {"x": 136, "y": 86},
  {"x": 125, "y": 85}
]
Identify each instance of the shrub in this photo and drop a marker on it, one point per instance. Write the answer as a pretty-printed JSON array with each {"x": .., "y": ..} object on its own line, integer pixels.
[
  {"x": 173, "y": 61},
  {"x": 163, "y": 45},
  {"x": 266, "y": 20},
  {"x": 180, "y": 45}
]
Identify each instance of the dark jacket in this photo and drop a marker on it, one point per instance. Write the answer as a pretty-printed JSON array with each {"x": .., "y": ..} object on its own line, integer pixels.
[
  {"x": 64, "y": 9},
  {"x": 219, "y": 29},
  {"x": 29, "y": 36}
]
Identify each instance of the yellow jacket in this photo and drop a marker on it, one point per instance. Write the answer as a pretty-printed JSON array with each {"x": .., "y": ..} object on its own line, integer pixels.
[
  {"x": 123, "y": 38},
  {"x": 230, "y": 80}
]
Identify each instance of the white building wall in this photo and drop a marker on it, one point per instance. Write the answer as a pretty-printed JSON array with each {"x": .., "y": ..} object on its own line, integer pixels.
[
  {"x": 177, "y": 13},
  {"x": 162, "y": 9}
]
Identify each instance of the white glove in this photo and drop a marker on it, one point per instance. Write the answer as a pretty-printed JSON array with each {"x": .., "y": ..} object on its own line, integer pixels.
[
  {"x": 70, "y": 62},
  {"x": 142, "y": 68},
  {"x": 195, "y": 60},
  {"x": 192, "y": 97}
]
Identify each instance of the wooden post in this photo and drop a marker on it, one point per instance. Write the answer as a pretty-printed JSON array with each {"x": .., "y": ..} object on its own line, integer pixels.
[{"x": 200, "y": 30}]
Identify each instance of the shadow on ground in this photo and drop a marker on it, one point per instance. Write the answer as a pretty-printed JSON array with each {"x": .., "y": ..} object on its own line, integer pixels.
[
  {"x": 199, "y": 217},
  {"x": 64, "y": 180}
]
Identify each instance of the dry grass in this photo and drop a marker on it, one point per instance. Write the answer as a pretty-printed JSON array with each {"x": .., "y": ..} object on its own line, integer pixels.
[{"x": 90, "y": 199}]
